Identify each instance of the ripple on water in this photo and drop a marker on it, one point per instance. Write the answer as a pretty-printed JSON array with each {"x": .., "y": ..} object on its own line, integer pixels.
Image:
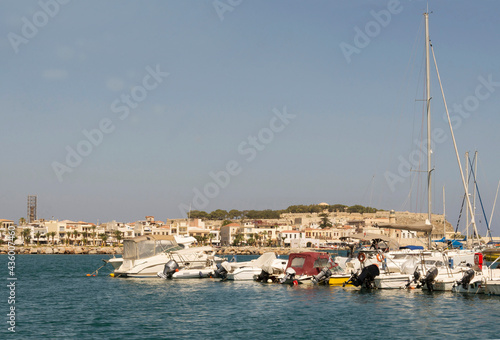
[{"x": 55, "y": 299}]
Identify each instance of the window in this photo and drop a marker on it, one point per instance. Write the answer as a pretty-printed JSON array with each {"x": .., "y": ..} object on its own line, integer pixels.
[
  {"x": 320, "y": 263},
  {"x": 298, "y": 262}
]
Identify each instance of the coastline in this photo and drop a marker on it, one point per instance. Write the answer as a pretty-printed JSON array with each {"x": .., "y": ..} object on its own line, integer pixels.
[
  {"x": 62, "y": 250},
  {"x": 91, "y": 250}
]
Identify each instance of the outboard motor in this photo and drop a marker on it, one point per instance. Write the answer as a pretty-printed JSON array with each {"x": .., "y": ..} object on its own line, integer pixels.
[
  {"x": 466, "y": 279},
  {"x": 220, "y": 272},
  {"x": 416, "y": 277},
  {"x": 262, "y": 277},
  {"x": 289, "y": 275},
  {"x": 429, "y": 278},
  {"x": 170, "y": 268},
  {"x": 366, "y": 278},
  {"x": 323, "y": 276}
]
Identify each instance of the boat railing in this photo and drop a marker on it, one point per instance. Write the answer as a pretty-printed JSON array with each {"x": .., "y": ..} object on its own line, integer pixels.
[{"x": 490, "y": 268}]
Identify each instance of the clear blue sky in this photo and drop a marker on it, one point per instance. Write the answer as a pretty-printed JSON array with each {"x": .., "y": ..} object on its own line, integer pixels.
[{"x": 262, "y": 90}]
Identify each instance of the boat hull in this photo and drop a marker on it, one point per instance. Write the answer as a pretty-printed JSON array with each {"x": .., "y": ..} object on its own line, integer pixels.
[
  {"x": 392, "y": 281},
  {"x": 339, "y": 280},
  {"x": 193, "y": 273},
  {"x": 244, "y": 274},
  {"x": 477, "y": 287}
]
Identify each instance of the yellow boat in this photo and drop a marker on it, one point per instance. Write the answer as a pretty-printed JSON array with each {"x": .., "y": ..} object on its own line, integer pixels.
[
  {"x": 491, "y": 254},
  {"x": 338, "y": 280}
]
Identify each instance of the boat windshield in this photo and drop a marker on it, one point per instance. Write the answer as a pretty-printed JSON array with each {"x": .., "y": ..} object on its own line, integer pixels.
[{"x": 320, "y": 263}]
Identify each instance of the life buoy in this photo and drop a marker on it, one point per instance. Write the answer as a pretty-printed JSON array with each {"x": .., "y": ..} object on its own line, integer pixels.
[
  {"x": 380, "y": 257},
  {"x": 361, "y": 257}
]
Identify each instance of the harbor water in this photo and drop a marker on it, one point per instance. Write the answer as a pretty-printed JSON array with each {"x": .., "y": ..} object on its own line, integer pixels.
[{"x": 55, "y": 299}]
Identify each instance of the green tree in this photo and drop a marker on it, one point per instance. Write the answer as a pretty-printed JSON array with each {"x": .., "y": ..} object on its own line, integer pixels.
[
  {"x": 118, "y": 235},
  {"x": 251, "y": 241},
  {"x": 218, "y": 214},
  {"x": 198, "y": 214},
  {"x": 37, "y": 235},
  {"x": 257, "y": 237},
  {"x": 104, "y": 238},
  {"x": 360, "y": 209},
  {"x": 84, "y": 236},
  {"x": 75, "y": 234},
  {"x": 52, "y": 234},
  {"x": 22, "y": 221},
  {"x": 93, "y": 233},
  {"x": 26, "y": 235},
  {"x": 238, "y": 239},
  {"x": 337, "y": 208},
  {"x": 234, "y": 214},
  {"x": 325, "y": 221}
]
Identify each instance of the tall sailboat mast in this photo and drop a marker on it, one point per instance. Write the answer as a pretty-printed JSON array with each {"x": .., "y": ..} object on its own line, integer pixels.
[{"x": 428, "y": 100}]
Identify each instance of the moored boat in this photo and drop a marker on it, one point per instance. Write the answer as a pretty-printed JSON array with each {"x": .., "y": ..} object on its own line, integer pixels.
[
  {"x": 302, "y": 267},
  {"x": 145, "y": 256}
]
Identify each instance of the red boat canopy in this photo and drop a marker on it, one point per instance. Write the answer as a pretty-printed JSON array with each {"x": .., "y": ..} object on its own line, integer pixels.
[{"x": 308, "y": 263}]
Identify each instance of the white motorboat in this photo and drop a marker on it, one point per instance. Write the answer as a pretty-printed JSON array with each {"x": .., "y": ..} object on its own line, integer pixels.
[
  {"x": 115, "y": 262},
  {"x": 248, "y": 270},
  {"x": 392, "y": 281},
  {"x": 145, "y": 256},
  {"x": 472, "y": 282},
  {"x": 183, "y": 241},
  {"x": 492, "y": 286}
]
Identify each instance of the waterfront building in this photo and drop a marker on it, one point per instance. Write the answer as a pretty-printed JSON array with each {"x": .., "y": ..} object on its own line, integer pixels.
[
  {"x": 228, "y": 233},
  {"x": 288, "y": 235},
  {"x": 4, "y": 228}
]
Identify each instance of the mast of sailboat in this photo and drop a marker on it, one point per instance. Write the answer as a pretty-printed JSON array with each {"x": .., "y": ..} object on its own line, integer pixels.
[
  {"x": 428, "y": 100},
  {"x": 467, "y": 190},
  {"x": 444, "y": 215},
  {"x": 474, "y": 172}
]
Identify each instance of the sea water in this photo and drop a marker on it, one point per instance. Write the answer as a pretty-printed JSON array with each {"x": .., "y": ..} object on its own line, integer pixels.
[{"x": 55, "y": 299}]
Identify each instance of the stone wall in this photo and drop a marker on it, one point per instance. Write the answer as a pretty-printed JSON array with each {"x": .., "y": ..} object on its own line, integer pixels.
[{"x": 63, "y": 250}]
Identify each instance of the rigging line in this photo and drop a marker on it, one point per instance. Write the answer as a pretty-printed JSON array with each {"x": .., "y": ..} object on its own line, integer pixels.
[
  {"x": 405, "y": 89},
  {"x": 405, "y": 92},
  {"x": 481, "y": 201},
  {"x": 368, "y": 188},
  {"x": 409, "y": 194},
  {"x": 463, "y": 203},
  {"x": 494, "y": 204},
  {"x": 486, "y": 182},
  {"x": 454, "y": 143}
]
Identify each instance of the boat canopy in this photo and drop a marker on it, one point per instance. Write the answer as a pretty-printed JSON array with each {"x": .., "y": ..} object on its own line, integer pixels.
[
  {"x": 371, "y": 237},
  {"x": 148, "y": 245},
  {"x": 308, "y": 263},
  {"x": 450, "y": 243},
  {"x": 412, "y": 247}
]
